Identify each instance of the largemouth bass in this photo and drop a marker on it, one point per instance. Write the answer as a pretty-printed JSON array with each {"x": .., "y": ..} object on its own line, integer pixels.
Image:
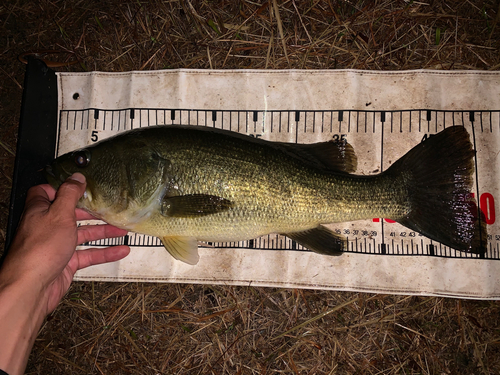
[{"x": 186, "y": 184}]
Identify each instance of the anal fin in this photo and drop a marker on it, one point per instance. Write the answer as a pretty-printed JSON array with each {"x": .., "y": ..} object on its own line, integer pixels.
[
  {"x": 321, "y": 240},
  {"x": 184, "y": 249}
]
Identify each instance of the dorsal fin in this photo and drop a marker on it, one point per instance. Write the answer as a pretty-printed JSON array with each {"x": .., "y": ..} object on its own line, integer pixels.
[{"x": 331, "y": 155}]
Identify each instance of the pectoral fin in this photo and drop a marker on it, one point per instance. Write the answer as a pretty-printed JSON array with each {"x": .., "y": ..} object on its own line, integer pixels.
[
  {"x": 193, "y": 205},
  {"x": 184, "y": 249},
  {"x": 321, "y": 240}
]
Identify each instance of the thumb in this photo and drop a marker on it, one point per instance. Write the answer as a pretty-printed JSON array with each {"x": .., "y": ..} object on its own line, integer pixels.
[{"x": 70, "y": 192}]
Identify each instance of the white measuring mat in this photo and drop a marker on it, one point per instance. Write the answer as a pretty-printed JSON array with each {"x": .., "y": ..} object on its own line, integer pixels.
[{"x": 381, "y": 114}]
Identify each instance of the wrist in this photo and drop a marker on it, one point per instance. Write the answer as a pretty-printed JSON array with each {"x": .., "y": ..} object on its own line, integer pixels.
[{"x": 22, "y": 312}]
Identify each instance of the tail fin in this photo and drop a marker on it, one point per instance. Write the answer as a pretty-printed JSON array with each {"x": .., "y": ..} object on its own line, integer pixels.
[{"x": 438, "y": 173}]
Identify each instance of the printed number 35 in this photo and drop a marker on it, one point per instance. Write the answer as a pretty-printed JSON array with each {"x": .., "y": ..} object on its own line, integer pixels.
[{"x": 340, "y": 138}]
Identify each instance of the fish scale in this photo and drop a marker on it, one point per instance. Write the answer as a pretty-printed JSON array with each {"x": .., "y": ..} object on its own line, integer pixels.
[
  {"x": 264, "y": 196},
  {"x": 185, "y": 183}
]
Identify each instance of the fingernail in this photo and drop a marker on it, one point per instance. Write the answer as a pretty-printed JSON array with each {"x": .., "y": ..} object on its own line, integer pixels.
[{"x": 77, "y": 177}]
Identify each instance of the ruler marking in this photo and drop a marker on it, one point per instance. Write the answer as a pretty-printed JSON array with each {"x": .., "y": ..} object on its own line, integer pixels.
[
  {"x": 478, "y": 194},
  {"x": 104, "y": 120},
  {"x": 429, "y": 118},
  {"x": 108, "y": 120},
  {"x": 67, "y": 120},
  {"x": 296, "y": 129},
  {"x": 74, "y": 120},
  {"x": 381, "y": 170}
]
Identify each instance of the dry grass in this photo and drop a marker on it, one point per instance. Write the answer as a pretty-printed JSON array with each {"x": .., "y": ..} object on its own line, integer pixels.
[{"x": 112, "y": 328}]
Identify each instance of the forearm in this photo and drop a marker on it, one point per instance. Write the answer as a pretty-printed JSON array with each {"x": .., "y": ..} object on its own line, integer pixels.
[{"x": 21, "y": 316}]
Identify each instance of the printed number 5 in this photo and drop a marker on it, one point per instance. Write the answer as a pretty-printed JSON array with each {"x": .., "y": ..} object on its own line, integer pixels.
[{"x": 94, "y": 137}]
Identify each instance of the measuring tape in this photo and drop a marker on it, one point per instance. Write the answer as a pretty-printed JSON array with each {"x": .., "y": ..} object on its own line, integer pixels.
[{"x": 379, "y": 138}]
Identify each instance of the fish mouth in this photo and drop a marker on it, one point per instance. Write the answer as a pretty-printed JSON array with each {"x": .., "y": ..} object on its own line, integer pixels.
[{"x": 55, "y": 175}]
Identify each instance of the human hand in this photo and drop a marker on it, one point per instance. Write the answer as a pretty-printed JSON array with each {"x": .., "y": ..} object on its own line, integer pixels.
[
  {"x": 41, "y": 263},
  {"x": 43, "y": 253}
]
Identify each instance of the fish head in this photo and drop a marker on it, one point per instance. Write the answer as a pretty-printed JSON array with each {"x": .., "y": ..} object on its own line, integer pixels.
[
  {"x": 125, "y": 177},
  {"x": 103, "y": 170}
]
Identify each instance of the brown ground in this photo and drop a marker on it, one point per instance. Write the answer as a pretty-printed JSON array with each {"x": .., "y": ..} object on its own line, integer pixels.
[{"x": 112, "y": 328}]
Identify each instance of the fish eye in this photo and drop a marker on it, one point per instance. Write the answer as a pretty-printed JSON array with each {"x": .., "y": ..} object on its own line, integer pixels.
[{"x": 82, "y": 158}]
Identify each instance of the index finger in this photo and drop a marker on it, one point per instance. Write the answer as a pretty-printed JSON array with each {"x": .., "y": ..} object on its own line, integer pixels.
[
  {"x": 37, "y": 197},
  {"x": 49, "y": 190},
  {"x": 84, "y": 215}
]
